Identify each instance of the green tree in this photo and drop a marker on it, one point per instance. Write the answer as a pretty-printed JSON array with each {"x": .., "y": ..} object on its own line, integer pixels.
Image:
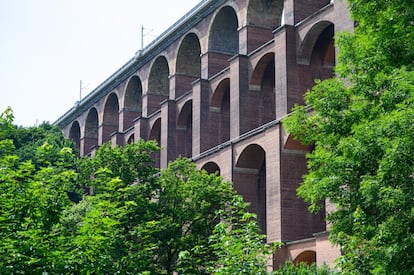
[
  {"x": 26, "y": 140},
  {"x": 303, "y": 269},
  {"x": 94, "y": 234},
  {"x": 32, "y": 199},
  {"x": 134, "y": 219},
  {"x": 237, "y": 243},
  {"x": 143, "y": 220},
  {"x": 362, "y": 131}
]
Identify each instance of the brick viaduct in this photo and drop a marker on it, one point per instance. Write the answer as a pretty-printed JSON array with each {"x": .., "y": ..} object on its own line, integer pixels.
[{"x": 214, "y": 87}]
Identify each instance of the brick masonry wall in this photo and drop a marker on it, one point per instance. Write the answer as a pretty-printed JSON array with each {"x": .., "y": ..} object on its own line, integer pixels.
[
  {"x": 297, "y": 222},
  {"x": 305, "y": 8}
]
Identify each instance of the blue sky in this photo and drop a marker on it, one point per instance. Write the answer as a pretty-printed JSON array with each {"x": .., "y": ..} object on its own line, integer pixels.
[{"x": 48, "y": 46}]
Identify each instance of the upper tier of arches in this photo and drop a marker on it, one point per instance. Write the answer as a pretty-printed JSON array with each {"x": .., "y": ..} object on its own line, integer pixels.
[{"x": 206, "y": 52}]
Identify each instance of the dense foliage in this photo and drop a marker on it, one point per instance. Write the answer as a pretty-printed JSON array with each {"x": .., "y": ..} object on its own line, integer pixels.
[
  {"x": 116, "y": 213},
  {"x": 34, "y": 192},
  {"x": 290, "y": 268},
  {"x": 362, "y": 130},
  {"x": 27, "y": 140},
  {"x": 145, "y": 222}
]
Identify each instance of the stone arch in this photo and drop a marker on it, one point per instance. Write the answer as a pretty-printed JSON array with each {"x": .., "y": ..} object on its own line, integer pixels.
[
  {"x": 308, "y": 257},
  {"x": 211, "y": 168},
  {"x": 291, "y": 143},
  {"x": 220, "y": 112},
  {"x": 250, "y": 180},
  {"x": 188, "y": 66},
  {"x": 110, "y": 123},
  {"x": 224, "y": 37},
  {"x": 155, "y": 134},
  {"x": 131, "y": 139},
  {"x": 185, "y": 129},
  {"x": 317, "y": 57},
  {"x": 324, "y": 49},
  {"x": 259, "y": 70},
  {"x": 320, "y": 38},
  {"x": 188, "y": 56},
  {"x": 158, "y": 84},
  {"x": 74, "y": 134},
  {"x": 91, "y": 131},
  {"x": 158, "y": 81},
  {"x": 265, "y": 13},
  {"x": 132, "y": 101},
  {"x": 261, "y": 18},
  {"x": 261, "y": 97}
]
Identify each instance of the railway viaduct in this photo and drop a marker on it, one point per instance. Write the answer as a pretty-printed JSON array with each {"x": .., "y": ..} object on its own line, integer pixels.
[{"x": 214, "y": 87}]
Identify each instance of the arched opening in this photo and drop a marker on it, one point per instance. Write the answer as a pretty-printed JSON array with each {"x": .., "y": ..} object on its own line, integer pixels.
[
  {"x": 261, "y": 98},
  {"x": 74, "y": 134},
  {"x": 158, "y": 81},
  {"x": 158, "y": 84},
  {"x": 185, "y": 130},
  {"x": 224, "y": 37},
  {"x": 317, "y": 56},
  {"x": 262, "y": 18},
  {"x": 132, "y": 102},
  {"x": 91, "y": 131},
  {"x": 188, "y": 68},
  {"x": 223, "y": 40},
  {"x": 131, "y": 139},
  {"x": 250, "y": 181},
  {"x": 323, "y": 53},
  {"x": 211, "y": 168},
  {"x": 266, "y": 14},
  {"x": 155, "y": 134},
  {"x": 220, "y": 113},
  {"x": 308, "y": 257},
  {"x": 291, "y": 143},
  {"x": 110, "y": 117}
]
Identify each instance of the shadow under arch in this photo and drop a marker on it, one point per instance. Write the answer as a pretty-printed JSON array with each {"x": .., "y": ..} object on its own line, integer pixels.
[
  {"x": 91, "y": 131},
  {"x": 249, "y": 181},
  {"x": 219, "y": 120},
  {"x": 323, "y": 29},
  {"x": 184, "y": 130},
  {"x": 308, "y": 257},
  {"x": 74, "y": 134},
  {"x": 265, "y": 13},
  {"x": 188, "y": 66},
  {"x": 158, "y": 84},
  {"x": 261, "y": 96},
  {"x": 132, "y": 102},
  {"x": 211, "y": 168},
  {"x": 316, "y": 58},
  {"x": 110, "y": 122},
  {"x": 223, "y": 40},
  {"x": 155, "y": 134}
]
